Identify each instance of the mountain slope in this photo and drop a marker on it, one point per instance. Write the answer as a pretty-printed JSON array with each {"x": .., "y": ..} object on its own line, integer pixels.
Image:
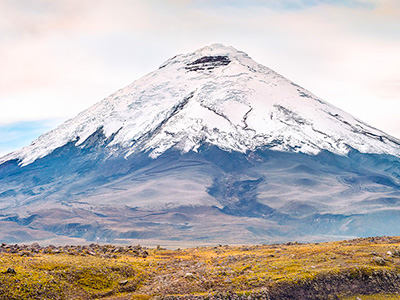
[
  {"x": 210, "y": 148},
  {"x": 220, "y": 96}
]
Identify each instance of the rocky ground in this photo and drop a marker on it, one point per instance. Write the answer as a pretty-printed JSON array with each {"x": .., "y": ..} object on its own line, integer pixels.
[
  {"x": 351, "y": 269},
  {"x": 104, "y": 251}
]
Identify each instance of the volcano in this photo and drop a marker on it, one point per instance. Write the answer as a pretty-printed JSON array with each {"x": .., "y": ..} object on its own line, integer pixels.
[{"x": 210, "y": 148}]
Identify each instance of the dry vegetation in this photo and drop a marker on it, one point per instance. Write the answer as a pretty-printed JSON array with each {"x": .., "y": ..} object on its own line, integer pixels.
[{"x": 335, "y": 270}]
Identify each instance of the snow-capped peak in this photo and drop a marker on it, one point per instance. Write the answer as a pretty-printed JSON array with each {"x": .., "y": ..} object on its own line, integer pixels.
[{"x": 216, "y": 95}]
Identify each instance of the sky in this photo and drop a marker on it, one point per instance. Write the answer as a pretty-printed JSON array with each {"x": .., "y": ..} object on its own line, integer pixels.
[{"x": 59, "y": 57}]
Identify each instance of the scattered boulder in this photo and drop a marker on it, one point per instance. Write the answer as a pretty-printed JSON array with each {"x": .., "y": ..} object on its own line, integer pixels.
[
  {"x": 189, "y": 276},
  {"x": 10, "y": 271},
  {"x": 35, "y": 246},
  {"x": 380, "y": 261},
  {"x": 228, "y": 280},
  {"x": 123, "y": 282}
]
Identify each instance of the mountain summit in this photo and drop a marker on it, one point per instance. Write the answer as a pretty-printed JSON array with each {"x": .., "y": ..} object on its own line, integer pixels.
[
  {"x": 212, "y": 147},
  {"x": 220, "y": 96}
]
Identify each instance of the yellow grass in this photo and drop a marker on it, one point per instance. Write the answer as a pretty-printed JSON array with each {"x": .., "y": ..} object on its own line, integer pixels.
[{"x": 196, "y": 270}]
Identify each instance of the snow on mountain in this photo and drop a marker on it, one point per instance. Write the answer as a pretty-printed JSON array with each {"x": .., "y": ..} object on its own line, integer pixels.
[
  {"x": 215, "y": 95},
  {"x": 213, "y": 119}
]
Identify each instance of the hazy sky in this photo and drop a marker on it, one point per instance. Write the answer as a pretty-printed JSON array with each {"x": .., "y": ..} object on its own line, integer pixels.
[{"x": 58, "y": 57}]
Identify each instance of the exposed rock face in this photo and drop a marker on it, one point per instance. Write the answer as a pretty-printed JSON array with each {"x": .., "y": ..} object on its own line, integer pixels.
[
  {"x": 208, "y": 63},
  {"x": 321, "y": 287}
]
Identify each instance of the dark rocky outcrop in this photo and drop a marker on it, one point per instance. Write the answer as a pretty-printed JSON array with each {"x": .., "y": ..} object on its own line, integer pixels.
[
  {"x": 208, "y": 63},
  {"x": 323, "y": 286}
]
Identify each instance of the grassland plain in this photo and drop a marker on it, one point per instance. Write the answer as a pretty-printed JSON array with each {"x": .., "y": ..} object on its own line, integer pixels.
[{"x": 367, "y": 268}]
